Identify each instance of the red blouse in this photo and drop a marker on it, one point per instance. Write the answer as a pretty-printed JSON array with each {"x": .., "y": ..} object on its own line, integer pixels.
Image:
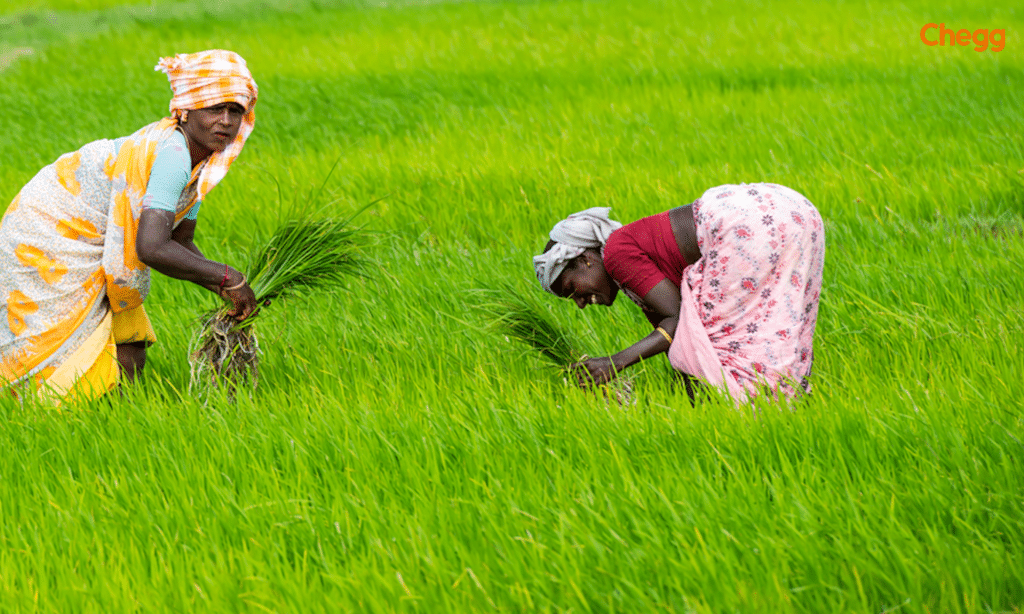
[{"x": 641, "y": 254}]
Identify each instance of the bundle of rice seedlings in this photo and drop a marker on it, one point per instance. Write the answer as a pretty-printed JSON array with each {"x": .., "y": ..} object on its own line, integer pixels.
[
  {"x": 304, "y": 254},
  {"x": 519, "y": 317}
]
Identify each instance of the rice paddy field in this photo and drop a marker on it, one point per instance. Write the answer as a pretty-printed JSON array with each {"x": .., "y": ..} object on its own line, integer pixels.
[{"x": 402, "y": 455}]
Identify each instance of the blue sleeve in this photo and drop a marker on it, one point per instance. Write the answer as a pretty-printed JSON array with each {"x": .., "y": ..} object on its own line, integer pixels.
[
  {"x": 169, "y": 177},
  {"x": 193, "y": 213}
]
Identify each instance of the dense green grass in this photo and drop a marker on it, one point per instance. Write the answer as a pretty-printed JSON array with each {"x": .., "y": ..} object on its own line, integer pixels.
[{"x": 399, "y": 455}]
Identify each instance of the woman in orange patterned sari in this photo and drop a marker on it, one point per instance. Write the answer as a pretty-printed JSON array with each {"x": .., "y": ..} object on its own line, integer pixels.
[{"x": 77, "y": 242}]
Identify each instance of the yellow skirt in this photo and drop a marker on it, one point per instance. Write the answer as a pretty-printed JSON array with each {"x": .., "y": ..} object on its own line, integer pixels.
[{"x": 93, "y": 370}]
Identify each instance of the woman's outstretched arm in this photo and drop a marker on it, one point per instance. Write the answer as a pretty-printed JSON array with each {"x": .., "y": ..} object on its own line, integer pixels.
[
  {"x": 185, "y": 235},
  {"x": 663, "y": 311},
  {"x": 156, "y": 247}
]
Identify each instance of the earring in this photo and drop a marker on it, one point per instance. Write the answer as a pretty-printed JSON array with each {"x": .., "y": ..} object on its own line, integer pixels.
[
  {"x": 588, "y": 265},
  {"x": 184, "y": 117}
]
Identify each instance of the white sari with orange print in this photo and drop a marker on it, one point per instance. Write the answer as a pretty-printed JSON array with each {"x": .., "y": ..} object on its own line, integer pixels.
[{"x": 67, "y": 254}]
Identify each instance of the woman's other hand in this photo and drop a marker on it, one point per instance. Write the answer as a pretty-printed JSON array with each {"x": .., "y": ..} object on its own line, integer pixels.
[
  {"x": 243, "y": 300},
  {"x": 594, "y": 371}
]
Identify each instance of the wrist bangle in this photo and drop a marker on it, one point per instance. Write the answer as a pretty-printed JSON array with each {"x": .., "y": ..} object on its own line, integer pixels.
[
  {"x": 664, "y": 334},
  {"x": 237, "y": 286}
]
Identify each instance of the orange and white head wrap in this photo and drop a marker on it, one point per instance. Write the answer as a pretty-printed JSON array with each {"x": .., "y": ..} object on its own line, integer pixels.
[{"x": 206, "y": 79}]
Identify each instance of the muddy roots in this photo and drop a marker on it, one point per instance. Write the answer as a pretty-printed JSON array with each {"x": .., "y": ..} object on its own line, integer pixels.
[
  {"x": 223, "y": 355},
  {"x": 619, "y": 392}
]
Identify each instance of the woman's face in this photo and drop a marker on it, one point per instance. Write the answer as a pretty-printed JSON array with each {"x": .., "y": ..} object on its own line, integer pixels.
[
  {"x": 216, "y": 127},
  {"x": 586, "y": 282}
]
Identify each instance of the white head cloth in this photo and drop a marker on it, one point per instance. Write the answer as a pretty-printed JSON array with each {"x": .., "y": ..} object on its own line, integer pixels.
[{"x": 587, "y": 229}]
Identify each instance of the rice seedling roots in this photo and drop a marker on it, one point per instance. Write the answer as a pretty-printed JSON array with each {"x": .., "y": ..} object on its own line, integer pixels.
[{"x": 224, "y": 355}]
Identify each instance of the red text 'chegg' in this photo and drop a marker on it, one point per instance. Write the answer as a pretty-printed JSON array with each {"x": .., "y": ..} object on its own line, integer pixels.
[{"x": 937, "y": 34}]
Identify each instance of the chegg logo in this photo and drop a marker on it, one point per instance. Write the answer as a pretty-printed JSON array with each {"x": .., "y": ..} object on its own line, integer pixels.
[{"x": 981, "y": 38}]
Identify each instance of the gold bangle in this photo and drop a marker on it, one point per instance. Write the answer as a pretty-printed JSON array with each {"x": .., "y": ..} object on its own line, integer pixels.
[
  {"x": 667, "y": 336},
  {"x": 238, "y": 286}
]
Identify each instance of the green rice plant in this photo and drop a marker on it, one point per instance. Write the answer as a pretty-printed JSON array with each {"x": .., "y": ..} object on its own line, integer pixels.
[
  {"x": 305, "y": 254},
  {"x": 520, "y": 317}
]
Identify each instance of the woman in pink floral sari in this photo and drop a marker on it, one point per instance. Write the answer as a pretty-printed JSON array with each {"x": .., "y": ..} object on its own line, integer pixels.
[{"x": 730, "y": 285}]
